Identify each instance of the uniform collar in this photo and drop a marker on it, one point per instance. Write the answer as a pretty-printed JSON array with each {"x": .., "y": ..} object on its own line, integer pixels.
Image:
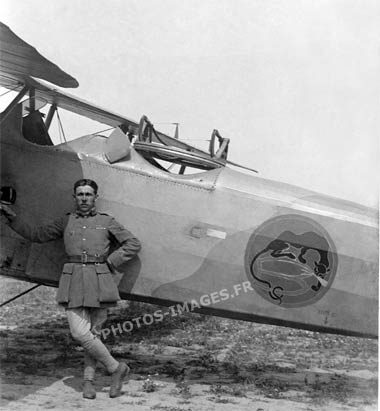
[{"x": 91, "y": 213}]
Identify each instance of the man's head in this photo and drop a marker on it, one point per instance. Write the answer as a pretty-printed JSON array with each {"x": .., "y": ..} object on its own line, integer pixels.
[{"x": 85, "y": 195}]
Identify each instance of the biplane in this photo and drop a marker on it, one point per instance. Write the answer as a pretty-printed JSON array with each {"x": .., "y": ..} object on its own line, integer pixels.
[{"x": 218, "y": 240}]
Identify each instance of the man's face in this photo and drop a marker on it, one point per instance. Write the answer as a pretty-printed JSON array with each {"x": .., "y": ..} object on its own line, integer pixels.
[{"x": 85, "y": 198}]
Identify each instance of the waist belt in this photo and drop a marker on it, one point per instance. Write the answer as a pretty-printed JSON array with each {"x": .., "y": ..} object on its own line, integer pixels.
[{"x": 87, "y": 259}]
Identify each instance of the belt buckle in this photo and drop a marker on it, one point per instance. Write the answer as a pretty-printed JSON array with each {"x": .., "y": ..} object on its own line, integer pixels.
[
  {"x": 84, "y": 257},
  {"x": 97, "y": 259}
]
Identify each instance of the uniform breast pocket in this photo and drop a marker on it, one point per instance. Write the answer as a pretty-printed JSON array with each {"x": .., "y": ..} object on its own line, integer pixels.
[{"x": 98, "y": 236}]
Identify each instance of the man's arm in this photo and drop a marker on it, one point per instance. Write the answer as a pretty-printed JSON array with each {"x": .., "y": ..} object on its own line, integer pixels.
[
  {"x": 38, "y": 234},
  {"x": 129, "y": 244}
]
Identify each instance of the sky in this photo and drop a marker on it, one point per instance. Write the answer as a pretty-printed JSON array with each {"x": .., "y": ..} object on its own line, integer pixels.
[{"x": 293, "y": 84}]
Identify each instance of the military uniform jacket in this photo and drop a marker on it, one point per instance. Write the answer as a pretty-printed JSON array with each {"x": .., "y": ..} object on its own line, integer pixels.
[{"x": 85, "y": 285}]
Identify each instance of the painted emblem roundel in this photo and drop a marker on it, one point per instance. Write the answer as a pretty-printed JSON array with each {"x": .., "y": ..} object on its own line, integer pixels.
[{"x": 291, "y": 261}]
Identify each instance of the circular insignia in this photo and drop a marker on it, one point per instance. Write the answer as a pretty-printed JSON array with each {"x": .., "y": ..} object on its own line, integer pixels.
[{"x": 291, "y": 261}]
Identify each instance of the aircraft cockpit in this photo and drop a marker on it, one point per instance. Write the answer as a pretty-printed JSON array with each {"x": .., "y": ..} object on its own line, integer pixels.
[
  {"x": 157, "y": 148},
  {"x": 169, "y": 154}
]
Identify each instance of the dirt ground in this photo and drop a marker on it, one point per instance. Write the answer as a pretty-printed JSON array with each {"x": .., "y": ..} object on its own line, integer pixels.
[{"x": 185, "y": 363}]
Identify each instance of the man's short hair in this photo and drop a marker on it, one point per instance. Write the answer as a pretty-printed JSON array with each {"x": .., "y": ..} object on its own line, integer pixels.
[{"x": 86, "y": 182}]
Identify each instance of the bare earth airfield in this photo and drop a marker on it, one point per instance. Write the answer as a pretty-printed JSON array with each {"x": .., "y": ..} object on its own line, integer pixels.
[{"x": 187, "y": 362}]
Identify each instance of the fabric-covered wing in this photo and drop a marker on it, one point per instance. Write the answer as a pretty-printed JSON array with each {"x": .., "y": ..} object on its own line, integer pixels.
[{"x": 20, "y": 60}]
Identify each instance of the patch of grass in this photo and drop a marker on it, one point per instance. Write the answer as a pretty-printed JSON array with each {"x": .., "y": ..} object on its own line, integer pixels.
[
  {"x": 207, "y": 359},
  {"x": 218, "y": 389},
  {"x": 221, "y": 400},
  {"x": 235, "y": 390},
  {"x": 140, "y": 402},
  {"x": 9, "y": 396},
  {"x": 270, "y": 387},
  {"x": 169, "y": 408},
  {"x": 184, "y": 401},
  {"x": 336, "y": 389},
  {"x": 149, "y": 385},
  {"x": 182, "y": 388},
  {"x": 134, "y": 394}
]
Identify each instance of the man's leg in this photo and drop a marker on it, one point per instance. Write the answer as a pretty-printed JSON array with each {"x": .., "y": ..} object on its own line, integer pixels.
[
  {"x": 80, "y": 328},
  {"x": 89, "y": 367},
  {"x": 97, "y": 318}
]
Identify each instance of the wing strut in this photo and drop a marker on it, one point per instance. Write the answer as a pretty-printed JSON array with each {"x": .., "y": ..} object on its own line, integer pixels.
[
  {"x": 50, "y": 115},
  {"x": 14, "y": 103}
]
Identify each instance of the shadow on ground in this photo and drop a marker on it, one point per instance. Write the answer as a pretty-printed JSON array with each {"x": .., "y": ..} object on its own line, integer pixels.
[{"x": 231, "y": 357}]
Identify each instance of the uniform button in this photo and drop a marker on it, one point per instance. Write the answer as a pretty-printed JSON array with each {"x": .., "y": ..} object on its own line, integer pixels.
[
  {"x": 84, "y": 226},
  {"x": 83, "y": 239}
]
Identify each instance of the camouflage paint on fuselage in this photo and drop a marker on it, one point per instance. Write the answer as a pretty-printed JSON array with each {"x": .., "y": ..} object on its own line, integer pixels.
[{"x": 235, "y": 244}]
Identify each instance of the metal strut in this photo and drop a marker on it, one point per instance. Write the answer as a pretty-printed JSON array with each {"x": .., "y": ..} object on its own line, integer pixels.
[{"x": 20, "y": 295}]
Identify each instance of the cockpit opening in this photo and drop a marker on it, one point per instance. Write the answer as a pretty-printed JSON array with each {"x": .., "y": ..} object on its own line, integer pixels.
[{"x": 43, "y": 119}]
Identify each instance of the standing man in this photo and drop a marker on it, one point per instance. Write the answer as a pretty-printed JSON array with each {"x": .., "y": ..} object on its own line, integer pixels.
[{"x": 87, "y": 286}]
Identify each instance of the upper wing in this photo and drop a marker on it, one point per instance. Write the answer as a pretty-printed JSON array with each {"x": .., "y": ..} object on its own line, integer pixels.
[
  {"x": 22, "y": 65},
  {"x": 19, "y": 60}
]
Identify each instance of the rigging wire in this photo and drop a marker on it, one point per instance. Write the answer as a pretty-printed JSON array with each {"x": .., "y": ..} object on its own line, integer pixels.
[
  {"x": 102, "y": 131},
  {"x": 8, "y": 91},
  {"x": 61, "y": 127},
  {"x": 60, "y": 134}
]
